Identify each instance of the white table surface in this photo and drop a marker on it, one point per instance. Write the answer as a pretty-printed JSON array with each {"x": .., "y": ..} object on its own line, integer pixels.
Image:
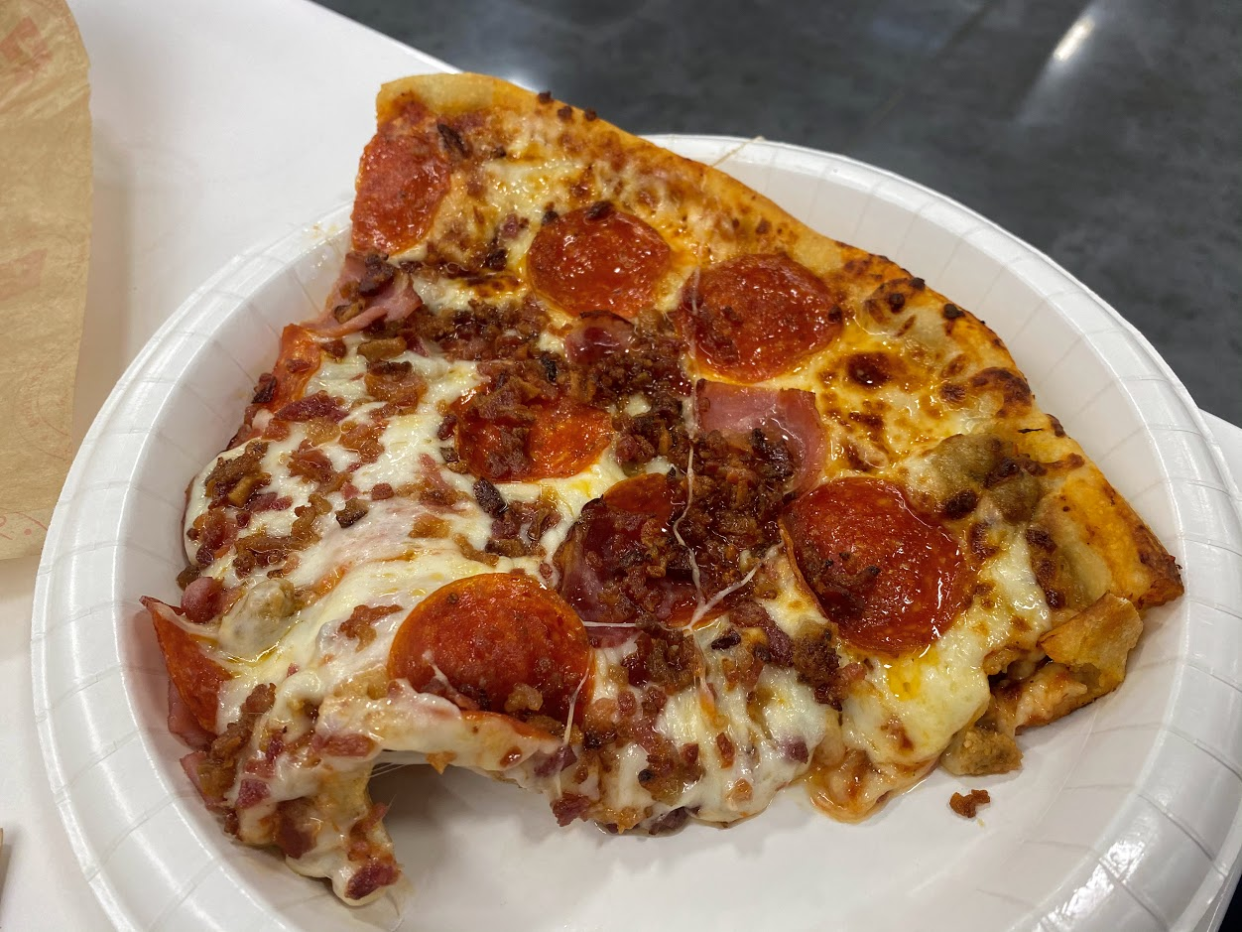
[{"x": 218, "y": 124}]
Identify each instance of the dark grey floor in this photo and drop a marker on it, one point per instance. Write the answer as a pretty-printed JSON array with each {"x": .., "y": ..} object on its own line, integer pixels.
[{"x": 1108, "y": 133}]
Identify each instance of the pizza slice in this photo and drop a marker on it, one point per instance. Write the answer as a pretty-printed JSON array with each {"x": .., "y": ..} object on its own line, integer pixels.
[{"x": 602, "y": 475}]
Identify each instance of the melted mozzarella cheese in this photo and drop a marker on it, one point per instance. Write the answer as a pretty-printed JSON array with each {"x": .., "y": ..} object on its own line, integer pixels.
[{"x": 908, "y": 709}]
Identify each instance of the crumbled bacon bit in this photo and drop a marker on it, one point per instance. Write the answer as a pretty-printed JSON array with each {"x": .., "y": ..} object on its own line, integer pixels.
[
  {"x": 276, "y": 430},
  {"x": 777, "y": 647},
  {"x": 228, "y": 472},
  {"x": 320, "y": 404},
  {"x": 523, "y": 698},
  {"x": 396, "y": 383},
  {"x": 627, "y": 705},
  {"x": 360, "y": 625},
  {"x": 363, "y": 438},
  {"x": 384, "y": 348},
  {"x": 967, "y": 806},
  {"x": 370, "y": 877},
  {"x": 339, "y": 744},
  {"x": 251, "y": 793},
  {"x": 796, "y": 750},
  {"x": 484, "y": 331},
  {"x": 564, "y": 757},
  {"x": 262, "y": 549},
  {"x": 312, "y": 464},
  {"x": 381, "y": 491},
  {"x": 663, "y": 657},
  {"x": 351, "y": 512},
  {"x": 545, "y": 97},
  {"x": 435, "y": 492},
  {"x": 376, "y": 276},
  {"x": 516, "y": 532},
  {"x": 215, "y": 532},
  {"x": 297, "y": 827},
  {"x": 470, "y": 552},
  {"x": 429, "y": 527},
  {"x": 960, "y": 504},
  {"x": 570, "y": 806},
  {"x": 265, "y": 390},
  {"x": 670, "y": 822},
  {"x": 489, "y": 498},
  {"x": 670, "y": 770},
  {"x": 218, "y": 771},
  {"x": 654, "y": 700},
  {"x": 816, "y": 662},
  {"x": 268, "y": 501}
]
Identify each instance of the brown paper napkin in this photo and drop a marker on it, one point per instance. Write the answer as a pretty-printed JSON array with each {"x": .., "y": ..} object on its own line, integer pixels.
[{"x": 45, "y": 225}]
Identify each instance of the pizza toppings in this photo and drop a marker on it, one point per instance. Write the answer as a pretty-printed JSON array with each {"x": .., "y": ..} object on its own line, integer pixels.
[
  {"x": 788, "y": 413},
  {"x": 403, "y": 176},
  {"x": 367, "y": 290},
  {"x": 484, "y": 639},
  {"x": 889, "y": 579},
  {"x": 669, "y": 548},
  {"x": 202, "y": 599},
  {"x": 195, "y": 675},
  {"x": 598, "y": 336},
  {"x": 967, "y": 805},
  {"x": 300, "y": 354},
  {"x": 598, "y": 258},
  {"x": 621, "y": 562},
  {"x": 508, "y": 433},
  {"x": 756, "y": 316}
]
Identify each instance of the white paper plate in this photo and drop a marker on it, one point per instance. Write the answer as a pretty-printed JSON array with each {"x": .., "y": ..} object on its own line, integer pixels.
[{"x": 1123, "y": 817}]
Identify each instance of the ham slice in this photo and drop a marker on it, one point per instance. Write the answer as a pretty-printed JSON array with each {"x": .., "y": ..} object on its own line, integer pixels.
[
  {"x": 790, "y": 412},
  {"x": 597, "y": 334},
  {"x": 183, "y": 724},
  {"x": 395, "y": 301}
]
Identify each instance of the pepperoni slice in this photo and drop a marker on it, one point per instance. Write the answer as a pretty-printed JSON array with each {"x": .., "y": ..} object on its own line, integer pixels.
[
  {"x": 890, "y": 580},
  {"x": 605, "y": 556},
  {"x": 488, "y": 635},
  {"x": 300, "y": 355},
  {"x": 196, "y": 677},
  {"x": 402, "y": 178},
  {"x": 541, "y": 439},
  {"x": 752, "y": 317},
  {"x": 598, "y": 259}
]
